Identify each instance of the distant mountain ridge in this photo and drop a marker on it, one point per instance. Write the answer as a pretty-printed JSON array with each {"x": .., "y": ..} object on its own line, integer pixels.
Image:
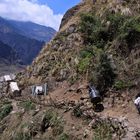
[
  {"x": 26, "y": 38},
  {"x": 26, "y": 48},
  {"x": 33, "y": 30}
]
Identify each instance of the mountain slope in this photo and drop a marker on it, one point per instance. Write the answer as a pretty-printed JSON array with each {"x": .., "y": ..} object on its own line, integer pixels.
[
  {"x": 87, "y": 43},
  {"x": 26, "y": 48},
  {"x": 7, "y": 54}
]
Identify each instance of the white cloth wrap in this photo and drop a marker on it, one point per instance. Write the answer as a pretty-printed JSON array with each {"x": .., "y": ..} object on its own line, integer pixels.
[{"x": 137, "y": 101}]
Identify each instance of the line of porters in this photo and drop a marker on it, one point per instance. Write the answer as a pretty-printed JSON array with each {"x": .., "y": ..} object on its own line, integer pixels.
[{"x": 43, "y": 88}]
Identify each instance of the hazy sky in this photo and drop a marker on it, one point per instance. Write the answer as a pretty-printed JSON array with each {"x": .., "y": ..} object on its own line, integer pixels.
[{"x": 45, "y": 12}]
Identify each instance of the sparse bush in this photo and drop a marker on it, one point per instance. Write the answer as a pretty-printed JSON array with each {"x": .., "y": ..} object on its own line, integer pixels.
[
  {"x": 57, "y": 129},
  {"x": 86, "y": 52},
  {"x": 120, "y": 84},
  {"x": 58, "y": 125},
  {"x": 64, "y": 136},
  {"x": 27, "y": 105},
  {"x": 22, "y": 136},
  {"x": 73, "y": 79},
  {"x": 116, "y": 22},
  {"x": 5, "y": 110},
  {"x": 86, "y": 55},
  {"x": 51, "y": 119},
  {"x": 106, "y": 74},
  {"x": 131, "y": 24},
  {"x": 102, "y": 131},
  {"x": 77, "y": 111},
  {"x": 84, "y": 64},
  {"x": 6, "y": 101},
  {"x": 96, "y": 32},
  {"x": 93, "y": 31}
]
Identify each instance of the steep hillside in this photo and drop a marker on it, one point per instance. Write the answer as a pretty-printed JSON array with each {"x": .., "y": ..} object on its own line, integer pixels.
[
  {"x": 97, "y": 42},
  {"x": 61, "y": 54}
]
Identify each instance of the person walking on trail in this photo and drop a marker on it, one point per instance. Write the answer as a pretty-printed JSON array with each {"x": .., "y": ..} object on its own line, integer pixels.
[{"x": 137, "y": 102}]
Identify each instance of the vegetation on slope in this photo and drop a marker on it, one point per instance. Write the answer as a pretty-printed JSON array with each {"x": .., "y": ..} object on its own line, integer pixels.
[
  {"x": 112, "y": 36},
  {"x": 5, "y": 110}
]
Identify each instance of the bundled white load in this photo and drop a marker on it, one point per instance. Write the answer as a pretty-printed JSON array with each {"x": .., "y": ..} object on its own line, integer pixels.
[
  {"x": 39, "y": 89},
  {"x": 137, "y": 104},
  {"x": 7, "y": 78},
  {"x": 137, "y": 101},
  {"x": 14, "y": 87},
  {"x": 10, "y": 77}
]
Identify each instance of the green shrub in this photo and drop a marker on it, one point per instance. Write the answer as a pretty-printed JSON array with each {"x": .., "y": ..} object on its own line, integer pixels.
[
  {"x": 93, "y": 31},
  {"x": 131, "y": 24},
  {"x": 77, "y": 112},
  {"x": 51, "y": 119},
  {"x": 84, "y": 64},
  {"x": 27, "y": 105},
  {"x": 85, "y": 58},
  {"x": 57, "y": 124},
  {"x": 5, "y": 110},
  {"x": 73, "y": 79},
  {"x": 86, "y": 52},
  {"x": 22, "y": 136},
  {"x": 57, "y": 129},
  {"x": 117, "y": 21},
  {"x": 64, "y": 136},
  {"x": 130, "y": 32},
  {"x": 105, "y": 74},
  {"x": 102, "y": 132},
  {"x": 120, "y": 84}
]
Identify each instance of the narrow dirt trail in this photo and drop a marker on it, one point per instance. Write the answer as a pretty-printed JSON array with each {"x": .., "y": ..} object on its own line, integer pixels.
[{"x": 129, "y": 113}]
